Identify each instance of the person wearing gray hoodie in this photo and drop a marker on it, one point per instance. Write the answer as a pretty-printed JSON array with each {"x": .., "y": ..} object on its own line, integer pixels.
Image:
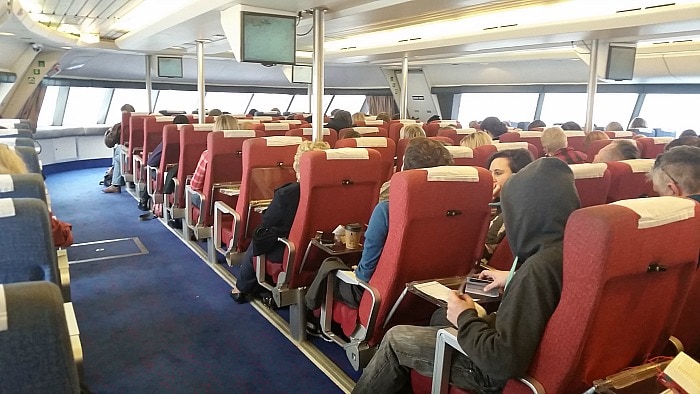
[{"x": 536, "y": 203}]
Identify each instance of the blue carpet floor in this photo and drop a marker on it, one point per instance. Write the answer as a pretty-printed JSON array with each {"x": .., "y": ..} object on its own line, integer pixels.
[{"x": 163, "y": 322}]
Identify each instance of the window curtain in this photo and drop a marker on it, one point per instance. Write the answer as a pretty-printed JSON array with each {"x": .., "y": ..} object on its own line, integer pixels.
[
  {"x": 32, "y": 106},
  {"x": 379, "y": 104}
]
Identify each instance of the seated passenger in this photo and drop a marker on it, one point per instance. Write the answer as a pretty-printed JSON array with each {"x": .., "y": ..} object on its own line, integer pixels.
[
  {"x": 278, "y": 219},
  {"x": 433, "y": 118},
  {"x": 383, "y": 116},
  {"x": 677, "y": 172},
  {"x": 638, "y": 123},
  {"x": 493, "y": 126},
  {"x": 594, "y": 135},
  {"x": 341, "y": 120},
  {"x": 688, "y": 133},
  {"x": 536, "y": 125},
  {"x": 412, "y": 130},
  {"x": 215, "y": 112},
  {"x": 349, "y": 133},
  {"x": 474, "y": 124},
  {"x": 500, "y": 345},
  {"x": 571, "y": 126},
  {"x": 358, "y": 117},
  {"x": 11, "y": 164},
  {"x": 421, "y": 153},
  {"x": 614, "y": 126},
  {"x": 683, "y": 141},
  {"x": 502, "y": 165},
  {"x": 617, "y": 150},
  {"x": 112, "y": 139},
  {"x": 476, "y": 139},
  {"x": 554, "y": 143}
]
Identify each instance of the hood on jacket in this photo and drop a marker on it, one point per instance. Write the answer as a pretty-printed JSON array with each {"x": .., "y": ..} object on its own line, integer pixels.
[{"x": 536, "y": 203}]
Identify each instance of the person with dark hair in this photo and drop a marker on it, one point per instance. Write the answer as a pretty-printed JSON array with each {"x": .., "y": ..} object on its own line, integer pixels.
[
  {"x": 536, "y": 125},
  {"x": 677, "y": 172},
  {"x": 688, "y": 133},
  {"x": 215, "y": 112},
  {"x": 341, "y": 120},
  {"x": 638, "y": 123},
  {"x": 571, "y": 126},
  {"x": 112, "y": 139},
  {"x": 500, "y": 346},
  {"x": 493, "y": 126},
  {"x": 555, "y": 144},
  {"x": 421, "y": 153},
  {"x": 683, "y": 141},
  {"x": 349, "y": 133},
  {"x": 252, "y": 112},
  {"x": 433, "y": 118},
  {"x": 614, "y": 126},
  {"x": 383, "y": 116},
  {"x": 617, "y": 150}
]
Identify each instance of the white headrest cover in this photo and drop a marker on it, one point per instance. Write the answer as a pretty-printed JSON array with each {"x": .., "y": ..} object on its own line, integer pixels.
[
  {"x": 460, "y": 152},
  {"x": 468, "y": 130},
  {"x": 310, "y": 131},
  {"x": 276, "y": 126},
  {"x": 574, "y": 133},
  {"x": 662, "y": 140},
  {"x": 7, "y": 207},
  {"x": 239, "y": 116},
  {"x": 510, "y": 145},
  {"x": 622, "y": 134},
  {"x": 140, "y": 114},
  {"x": 164, "y": 118},
  {"x": 447, "y": 122},
  {"x": 6, "y": 184},
  {"x": 365, "y": 130},
  {"x": 347, "y": 153},
  {"x": 530, "y": 134},
  {"x": 374, "y": 122},
  {"x": 291, "y": 121},
  {"x": 203, "y": 127},
  {"x": 407, "y": 121},
  {"x": 263, "y": 118},
  {"x": 588, "y": 170},
  {"x": 238, "y": 133},
  {"x": 371, "y": 117},
  {"x": 639, "y": 165},
  {"x": 8, "y": 131},
  {"x": 248, "y": 121},
  {"x": 452, "y": 174},
  {"x": 371, "y": 142},
  {"x": 3, "y": 309},
  {"x": 282, "y": 140},
  {"x": 657, "y": 211}
]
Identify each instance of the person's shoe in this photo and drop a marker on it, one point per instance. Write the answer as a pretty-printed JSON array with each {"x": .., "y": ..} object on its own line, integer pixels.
[
  {"x": 313, "y": 328},
  {"x": 143, "y": 205},
  {"x": 112, "y": 189},
  {"x": 238, "y": 296},
  {"x": 175, "y": 223}
]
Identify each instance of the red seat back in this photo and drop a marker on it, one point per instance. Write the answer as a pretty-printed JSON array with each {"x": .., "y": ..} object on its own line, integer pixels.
[
  {"x": 628, "y": 179},
  {"x": 329, "y": 135},
  {"x": 455, "y": 135},
  {"x": 193, "y": 141},
  {"x": 620, "y": 134},
  {"x": 654, "y": 146},
  {"x": 272, "y": 129},
  {"x": 463, "y": 156},
  {"x": 576, "y": 140},
  {"x": 170, "y": 155},
  {"x": 368, "y": 131},
  {"x": 484, "y": 152},
  {"x": 124, "y": 136},
  {"x": 687, "y": 329},
  {"x": 385, "y": 147},
  {"x": 616, "y": 309},
  {"x": 592, "y": 182},
  {"x": 431, "y": 129},
  {"x": 531, "y": 137},
  {"x": 395, "y": 126},
  {"x": 135, "y": 136}
]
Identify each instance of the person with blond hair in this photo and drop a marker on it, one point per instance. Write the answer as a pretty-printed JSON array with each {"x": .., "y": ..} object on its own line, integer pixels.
[
  {"x": 476, "y": 139},
  {"x": 358, "y": 117},
  {"x": 594, "y": 135},
  {"x": 555, "y": 144},
  {"x": 412, "y": 130},
  {"x": 278, "y": 218}
]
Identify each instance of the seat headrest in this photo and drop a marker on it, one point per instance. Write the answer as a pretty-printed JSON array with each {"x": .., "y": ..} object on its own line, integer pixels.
[
  {"x": 203, "y": 126},
  {"x": 310, "y": 131},
  {"x": 365, "y": 130},
  {"x": 408, "y": 121},
  {"x": 374, "y": 122},
  {"x": 282, "y": 140},
  {"x": 290, "y": 121},
  {"x": 622, "y": 134},
  {"x": 657, "y": 211},
  {"x": 461, "y": 152},
  {"x": 530, "y": 134},
  {"x": 371, "y": 142},
  {"x": 639, "y": 165},
  {"x": 276, "y": 126},
  {"x": 447, "y": 122},
  {"x": 662, "y": 140},
  {"x": 6, "y": 183},
  {"x": 248, "y": 121},
  {"x": 588, "y": 170},
  {"x": 263, "y": 118},
  {"x": 140, "y": 113},
  {"x": 468, "y": 130},
  {"x": 7, "y": 207},
  {"x": 347, "y": 153},
  {"x": 452, "y": 174},
  {"x": 371, "y": 117},
  {"x": 238, "y": 133},
  {"x": 574, "y": 133},
  {"x": 511, "y": 145},
  {"x": 164, "y": 118},
  {"x": 3, "y": 310}
]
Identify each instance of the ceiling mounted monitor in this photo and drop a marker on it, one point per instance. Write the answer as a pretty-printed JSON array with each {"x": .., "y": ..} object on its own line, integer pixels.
[
  {"x": 301, "y": 74},
  {"x": 620, "y": 64},
  {"x": 169, "y": 67},
  {"x": 268, "y": 38}
]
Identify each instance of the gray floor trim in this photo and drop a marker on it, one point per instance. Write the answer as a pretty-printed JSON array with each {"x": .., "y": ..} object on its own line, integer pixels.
[{"x": 137, "y": 241}]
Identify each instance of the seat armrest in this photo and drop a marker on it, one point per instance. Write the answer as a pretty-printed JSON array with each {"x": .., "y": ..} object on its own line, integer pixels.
[
  {"x": 221, "y": 209},
  {"x": 63, "y": 274},
  {"x": 189, "y": 192},
  {"x": 445, "y": 344},
  {"x": 283, "y": 279}
]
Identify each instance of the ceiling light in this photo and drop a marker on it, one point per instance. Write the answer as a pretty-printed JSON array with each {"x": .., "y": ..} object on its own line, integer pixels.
[
  {"x": 66, "y": 48},
  {"x": 90, "y": 38},
  {"x": 143, "y": 14},
  {"x": 5, "y": 33}
]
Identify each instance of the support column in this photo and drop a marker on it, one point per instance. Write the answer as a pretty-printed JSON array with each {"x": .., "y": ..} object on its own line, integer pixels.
[
  {"x": 200, "y": 80},
  {"x": 403, "y": 111},
  {"x": 317, "y": 81},
  {"x": 310, "y": 96},
  {"x": 149, "y": 84},
  {"x": 592, "y": 85}
]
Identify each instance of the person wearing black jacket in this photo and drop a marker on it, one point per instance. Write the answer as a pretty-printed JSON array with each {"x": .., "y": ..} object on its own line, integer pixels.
[
  {"x": 536, "y": 203},
  {"x": 341, "y": 120}
]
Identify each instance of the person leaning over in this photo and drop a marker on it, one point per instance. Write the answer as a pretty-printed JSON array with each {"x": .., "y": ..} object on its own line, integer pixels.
[
  {"x": 677, "y": 172},
  {"x": 500, "y": 345},
  {"x": 555, "y": 144}
]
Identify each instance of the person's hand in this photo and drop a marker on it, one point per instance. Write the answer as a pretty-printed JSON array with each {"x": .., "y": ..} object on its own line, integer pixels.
[
  {"x": 496, "y": 190},
  {"x": 456, "y": 304},
  {"x": 499, "y": 279}
]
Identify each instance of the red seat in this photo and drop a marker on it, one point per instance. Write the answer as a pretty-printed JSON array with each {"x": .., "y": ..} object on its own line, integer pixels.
[
  {"x": 385, "y": 147},
  {"x": 152, "y": 136},
  {"x": 267, "y": 165},
  {"x": 463, "y": 156},
  {"x": 431, "y": 129},
  {"x": 272, "y": 129},
  {"x": 455, "y": 135},
  {"x": 438, "y": 219},
  {"x": 484, "y": 152},
  {"x": 294, "y": 123},
  {"x": 592, "y": 182},
  {"x": 372, "y": 122},
  {"x": 654, "y": 146},
  {"x": 620, "y": 134},
  {"x": 394, "y": 130},
  {"x": 531, "y": 137},
  {"x": 403, "y": 144},
  {"x": 329, "y": 135},
  {"x": 338, "y": 186},
  {"x": 502, "y": 258},
  {"x": 169, "y": 157},
  {"x": 225, "y": 168},
  {"x": 628, "y": 179},
  {"x": 135, "y": 141},
  {"x": 687, "y": 329},
  {"x": 365, "y": 131},
  {"x": 622, "y": 285},
  {"x": 576, "y": 140}
]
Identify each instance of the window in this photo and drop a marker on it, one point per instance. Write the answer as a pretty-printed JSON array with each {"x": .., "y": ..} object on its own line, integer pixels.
[
  {"x": 613, "y": 107},
  {"x": 349, "y": 102},
  {"x": 48, "y": 106},
  {"x": 84, "y": 106},
  {"x": 671, "y": 112},
  {"x": 264, "y": 102},
  {"x": 564, "y": 107},
  {"x": 514, "y": 107},
  {"x": 177, "y": 100},
  {"x": 235, "y": 103},
  {"x": 135, "y": 97},
  {"x": 300, "y": 103}
]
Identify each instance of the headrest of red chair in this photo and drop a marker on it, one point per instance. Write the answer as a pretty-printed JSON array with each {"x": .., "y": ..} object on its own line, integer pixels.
[
  {"x": 573, "y": 133},
  {"x": 374, "y": 122},
  {"x": 662, "y": 140},
  {"x": 197, "y": 126},
  {"x": 282, "y": 140},
  {"x": 263, "y": 118},
  {"x": 366, "y": 130},
  {"x": 347, "y": 153},
  {"x": 290, "y": 121},
  {"x": 310, "y": 131},
  {"x": 460, "y": 152},
  {"x": 468, "y": 130},
  {"x": 657, "y": 211},
  {"x": 620, "y": 134},
  {"x": 371, "y": 142},
  {"x": 588, "y": 170},
  {"x": 238, "y": 133},
  {"x": 164, "y": 118},
  {"x": 639, "y": 165},
  {"x": 7, "y": 207},
  {"x": 452, "y": 174},
  {"x": 530, "y": 134},
  {"x": 510, "y": 145},
  {"x": 275, "y": 126}
]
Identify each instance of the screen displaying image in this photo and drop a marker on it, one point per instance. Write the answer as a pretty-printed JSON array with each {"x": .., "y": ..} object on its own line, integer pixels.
[
  {"x": 170, "y": 67},
  {"x": 268, "y": 38}
]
